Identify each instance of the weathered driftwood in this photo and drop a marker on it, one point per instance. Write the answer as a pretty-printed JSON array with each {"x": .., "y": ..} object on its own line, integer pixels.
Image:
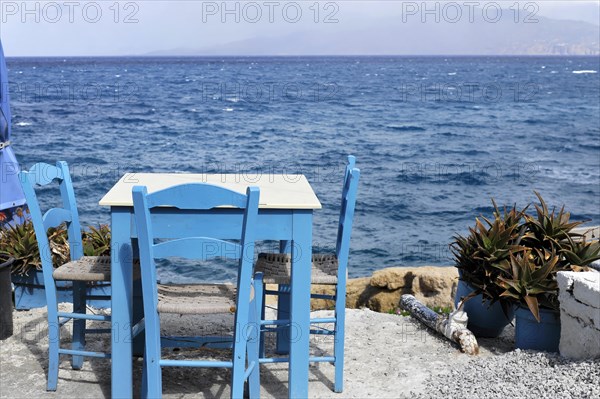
[{"x": 453, "y": 326}]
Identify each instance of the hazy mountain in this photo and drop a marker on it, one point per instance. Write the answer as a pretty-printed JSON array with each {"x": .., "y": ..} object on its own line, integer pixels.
[{"x": 393, "y": 36}]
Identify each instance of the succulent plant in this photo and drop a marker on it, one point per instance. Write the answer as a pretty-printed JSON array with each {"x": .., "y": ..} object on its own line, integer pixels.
[
  {"x": 515, "y": 257},
  {"x": 581, "y": 253},
  {"x": 96, "y": 241},
  {"x": 484, "y": 254},
  {"x": 19, "y": 242},
  {"x": 532, "y": 280},
  {"x": 548, "y": 229}
]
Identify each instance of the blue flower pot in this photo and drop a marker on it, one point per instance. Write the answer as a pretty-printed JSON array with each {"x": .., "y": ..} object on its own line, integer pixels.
[
  {"x": 531, "y": 334},
  {"x": 484, "y": 320}
]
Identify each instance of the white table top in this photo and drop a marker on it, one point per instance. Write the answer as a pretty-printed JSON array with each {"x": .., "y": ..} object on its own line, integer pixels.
[{"x": 276, "y": 191}]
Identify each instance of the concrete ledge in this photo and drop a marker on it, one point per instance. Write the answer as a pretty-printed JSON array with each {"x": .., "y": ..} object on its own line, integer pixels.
[
  {"x": 587, "y": 290},
  {"x": 577, "y": 340},
  {"x": 581, "y": 311},
  {"x": 579, "y": 297},
  {"x": 590, "y": 233}
]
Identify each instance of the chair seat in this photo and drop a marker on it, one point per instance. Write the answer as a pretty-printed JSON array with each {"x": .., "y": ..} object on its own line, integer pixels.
[
  {"x": 276, "y": 268},
  {"x": 196, "y": 298},
  {"x": 90, "y": 268},
  {"x": 87, "y": 268}
]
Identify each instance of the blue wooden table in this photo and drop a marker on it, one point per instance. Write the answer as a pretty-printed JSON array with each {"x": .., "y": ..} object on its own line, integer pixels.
[{"x": 286, "y": 206}]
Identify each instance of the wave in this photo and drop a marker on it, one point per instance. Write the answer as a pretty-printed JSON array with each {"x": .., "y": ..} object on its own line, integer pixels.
[
  {"x": 533, "y": 121},
  {"x": 585, "y": 71},
  {"x": 62, "y": 112},
  {"x": 126, "y": 120},
  {"x": 443, "y": 177},
  {"x": 460, "y": 124},
  {"x": 573, "y": 175},
  {"x": 406, "y": 128},
  {"x": 449, "y": 134}
]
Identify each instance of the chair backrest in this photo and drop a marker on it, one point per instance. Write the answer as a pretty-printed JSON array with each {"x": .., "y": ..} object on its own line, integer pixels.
[
  {"x": 195, "y": 196},
  {"x": 349, "y": 192},
  {"x": 42, "y": 174}
]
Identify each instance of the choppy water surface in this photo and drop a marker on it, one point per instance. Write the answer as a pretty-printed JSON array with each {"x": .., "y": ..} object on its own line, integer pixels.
[{"x": 435, "y": 138}]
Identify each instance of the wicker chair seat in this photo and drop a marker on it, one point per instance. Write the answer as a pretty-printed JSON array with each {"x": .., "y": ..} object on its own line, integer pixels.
[
  {"x": 196, "y": 298},
  {"x": 276, "y": 268},
  {"x": 87, "y": 268},
  {"x": 90, "y": 268}
]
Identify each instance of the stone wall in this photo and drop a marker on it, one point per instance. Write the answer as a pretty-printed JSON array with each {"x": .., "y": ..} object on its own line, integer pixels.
[{"x": 579, "y": 296}]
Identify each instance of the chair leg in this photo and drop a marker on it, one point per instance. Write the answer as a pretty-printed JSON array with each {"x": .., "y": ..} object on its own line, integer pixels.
[
  {"x": 259, "y": 292},
  {"x": 152, "y": 368},
  {"x": 254, "y": 341},
  {"x": 144, "y": 387},
  {"x": 53, "y": 339},
  {"x": 237, "y": 382},
  {"x": 79, "y": 299},
  {"x": 240, "y": 350},
  {"x": 53, "y": 345},
  {"x": 338, "y": 345},
  {"x": 283, "y": 312}
]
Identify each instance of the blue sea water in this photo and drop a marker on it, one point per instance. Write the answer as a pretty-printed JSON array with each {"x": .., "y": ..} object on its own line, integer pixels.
[{"x": 435, "y": 137}]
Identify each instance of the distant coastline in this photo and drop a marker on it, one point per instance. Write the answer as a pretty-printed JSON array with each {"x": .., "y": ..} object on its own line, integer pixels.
[{"x": 288, "y": 56}]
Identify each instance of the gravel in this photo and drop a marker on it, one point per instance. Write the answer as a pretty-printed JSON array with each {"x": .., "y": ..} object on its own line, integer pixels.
[{"x": 518, "y": 374}]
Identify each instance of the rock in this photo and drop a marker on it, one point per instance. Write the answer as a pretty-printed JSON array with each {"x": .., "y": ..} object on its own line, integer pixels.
[
  {"x": 431, "y": 285},
  {"x": 393, "y": 278}
]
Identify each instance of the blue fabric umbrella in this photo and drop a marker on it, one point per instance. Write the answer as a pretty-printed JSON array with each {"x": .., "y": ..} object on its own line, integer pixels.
[{"x": 11, "y": 193}]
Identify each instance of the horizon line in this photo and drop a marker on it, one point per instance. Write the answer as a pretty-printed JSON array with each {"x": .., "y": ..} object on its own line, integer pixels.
[{"x": 295, "y": 55}]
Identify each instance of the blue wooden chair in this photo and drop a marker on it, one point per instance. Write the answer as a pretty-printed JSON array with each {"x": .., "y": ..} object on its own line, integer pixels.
[
  {"x": 198, "y": 299},
  {"x": 326, "y": 270},
  {"x": 81, "y": 270}
]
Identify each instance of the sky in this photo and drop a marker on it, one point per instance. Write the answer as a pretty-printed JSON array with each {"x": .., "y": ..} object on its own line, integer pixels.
[{"x": 110, "y": 27}]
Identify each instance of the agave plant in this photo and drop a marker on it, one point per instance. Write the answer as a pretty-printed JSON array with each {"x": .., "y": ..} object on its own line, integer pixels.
[
  {"x": 484, "y": 254},
  {"x": 532, "y": 280},
  {"x": 96, "y": 241},
  {"x": 548, "y": 229},
  {"x": 515, "y": 257},
  {"x": 580, "y": 253},
  {"x": 20, "y": 243}
]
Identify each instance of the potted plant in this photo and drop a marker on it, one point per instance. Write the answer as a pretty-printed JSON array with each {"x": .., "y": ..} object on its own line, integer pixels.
[
  {"x": 548, "y": 245},
  {"x": 477, "y": 255},
  {"x": 20, "y": 243},
  {"x": 6, "y": 306},
  {"x": 96, "y": 241},
  {"x": 512, "y": 261}
]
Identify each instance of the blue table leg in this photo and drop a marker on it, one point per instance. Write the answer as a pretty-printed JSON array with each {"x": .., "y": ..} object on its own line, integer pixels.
[
  {"x": 122, "y": 309},
  {"x": 283, "y": 308},
  {"x": 300, "y": 304}
]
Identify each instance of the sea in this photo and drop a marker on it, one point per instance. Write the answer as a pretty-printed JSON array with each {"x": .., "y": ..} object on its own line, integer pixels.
[{"x": 435, "y": 138}]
